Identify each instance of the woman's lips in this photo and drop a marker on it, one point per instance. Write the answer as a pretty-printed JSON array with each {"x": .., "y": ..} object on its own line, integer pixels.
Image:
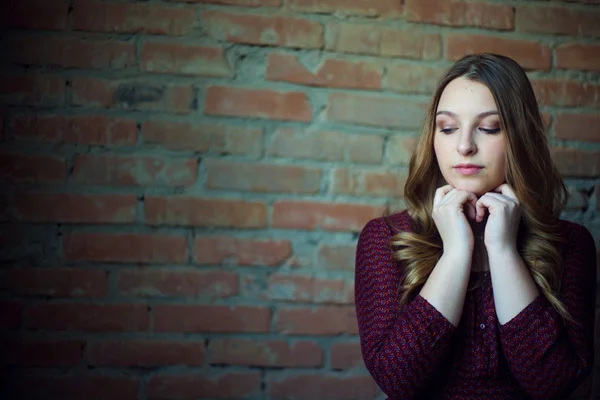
[{"x": 468, "y": 170}]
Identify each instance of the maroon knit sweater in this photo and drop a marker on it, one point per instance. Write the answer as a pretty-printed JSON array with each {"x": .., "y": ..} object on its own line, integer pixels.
[{"x": 416, "y": 353}]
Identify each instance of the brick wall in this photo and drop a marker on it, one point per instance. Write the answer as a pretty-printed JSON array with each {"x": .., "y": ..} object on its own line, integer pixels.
[{"x": 184, "y": 181}]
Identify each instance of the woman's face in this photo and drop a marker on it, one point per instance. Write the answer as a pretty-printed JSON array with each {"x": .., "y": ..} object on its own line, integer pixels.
[{"x": 467, "y": 131}]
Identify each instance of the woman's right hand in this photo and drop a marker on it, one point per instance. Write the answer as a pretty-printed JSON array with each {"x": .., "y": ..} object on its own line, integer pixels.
[{"x": 449, "y": 216}]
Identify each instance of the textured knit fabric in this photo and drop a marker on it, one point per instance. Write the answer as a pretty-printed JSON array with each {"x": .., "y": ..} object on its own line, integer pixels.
[{"x": 416, "y": 353}]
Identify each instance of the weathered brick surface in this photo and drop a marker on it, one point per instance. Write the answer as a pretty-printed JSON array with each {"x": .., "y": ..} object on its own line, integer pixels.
[{"x": 184, "y": 181}]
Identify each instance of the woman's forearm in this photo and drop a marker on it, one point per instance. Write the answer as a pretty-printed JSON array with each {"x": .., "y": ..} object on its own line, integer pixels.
[
  {"x": 447, "y": 284},
  {"x": 514, "y": 287}
]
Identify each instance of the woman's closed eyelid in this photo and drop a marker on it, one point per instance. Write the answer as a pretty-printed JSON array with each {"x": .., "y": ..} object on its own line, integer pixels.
[
  {"x": 484, "y": 129},
  {"x": 490, "y": 129}
]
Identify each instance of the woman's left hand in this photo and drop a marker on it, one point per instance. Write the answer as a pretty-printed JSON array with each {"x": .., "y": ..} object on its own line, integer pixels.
[{"x": 503, "y": 222}]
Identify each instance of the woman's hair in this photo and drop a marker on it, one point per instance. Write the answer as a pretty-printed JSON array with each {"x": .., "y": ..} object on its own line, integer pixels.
[{"x": 529, "y": 170}]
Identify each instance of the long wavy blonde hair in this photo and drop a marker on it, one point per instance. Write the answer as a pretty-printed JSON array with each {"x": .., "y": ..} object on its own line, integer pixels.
[{"x": 538, "y": 185}]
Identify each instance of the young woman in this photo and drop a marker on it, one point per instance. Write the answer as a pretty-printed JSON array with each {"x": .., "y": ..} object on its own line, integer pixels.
[{"x": 478, "y": 290}]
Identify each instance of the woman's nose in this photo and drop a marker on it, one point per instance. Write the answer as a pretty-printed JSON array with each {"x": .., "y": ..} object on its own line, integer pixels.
[{"x": 466, "y": 144}]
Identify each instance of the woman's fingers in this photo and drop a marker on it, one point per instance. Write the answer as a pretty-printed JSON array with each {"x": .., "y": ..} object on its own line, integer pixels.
[
  {"x": 471, "y": 210},
  {"x": 440, "y": 193},
  {"x": 450, "y": 216},
  {"x": 473, "y": 206},
  {"x": 449, "y": 194},
  {"x": 469, "y": 202},
  {"x": 484, "y": 203}
]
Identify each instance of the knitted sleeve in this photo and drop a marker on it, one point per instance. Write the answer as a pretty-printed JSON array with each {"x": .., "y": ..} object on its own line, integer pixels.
[
  {"x": 402, "y": 350},
  {"x": 550, "y": 357}
]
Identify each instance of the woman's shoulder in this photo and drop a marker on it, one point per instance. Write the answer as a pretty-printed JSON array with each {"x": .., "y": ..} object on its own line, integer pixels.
[
  {"x": 578, "y": 254},
  {"x": 389, "y": 224},
  {"x": 577, "y": 235}
]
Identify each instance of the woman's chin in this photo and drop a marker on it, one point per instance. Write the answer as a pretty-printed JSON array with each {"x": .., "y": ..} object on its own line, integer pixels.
[{"x": 475, "y": 189}]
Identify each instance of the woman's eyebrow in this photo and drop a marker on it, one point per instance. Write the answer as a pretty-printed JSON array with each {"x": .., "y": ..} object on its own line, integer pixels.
[{"x": 480, "y": 115}]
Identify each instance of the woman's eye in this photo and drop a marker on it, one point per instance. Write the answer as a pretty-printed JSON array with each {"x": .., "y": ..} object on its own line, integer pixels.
[
  {"x": 446, "y": 130},
  {"x": 492, "y": 131}
]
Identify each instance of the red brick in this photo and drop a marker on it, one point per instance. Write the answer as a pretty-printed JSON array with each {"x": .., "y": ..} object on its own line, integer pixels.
[
  {"x": 75, "y": 208},
  {"x": 245, "y": 3},
  {"x": 567, "y": 93},
  {"x": 265, "y": 30},
  {"x": 387, "y": 42},
  {"x": 262, "y": 178},
  {"x": 190, "y": 211},
  {"x": 71, "y": 52},
  {"x": 10, "y": 314},
  {"x": 529, "y": 54},
  {"x": 41, "y": 353},
  {"x": 221, "y": 385},
  {"x": 89, "y": 317},
  {"x": 460, "y": 13},
  {"x": 32, "y": 169},
  {"x": 216, "y": 139},
  {"x": 54, "y": 282},
  {"x": 289, "y": 214},
  {"x": 151, "y": 19},
  {"x": 330, "y": 73},
  {"x": 294, "y": 288},
  {"x": 578, "y": 56},
  {"x": 322, "y": 321},
  {"x": 145, "y": 353},
  {"x": 333, "y": 291},
  {"x": 336, "y": 257},
  {"x": 171, "y": 282},
  {"x": 18, "y": 89},
  {"x": 134, "y": 171},
  {"x": 346, "y": 356},
  {"x": 34, "y": 14},
  {"x": 299, "y": 288},
  {"x": 387, "y": 112},
  {"x": 561, "y": 20},
  {"x": 326, "y": 146},
  {"x": 321, "y": 386},
  {"x": 361, "y": 182},
  {"x": 420, "y": 79},
  {"x": 133, "y": 95},
  {"x": 252, "y": 287},
  {"x": 583, "y": 127},
  {"x": 372, "y": 8},
  {"x": 257, "y": 103},
  {"x": 265, "y": 353},
  {"x": 400, "y": 149},
  {"x": 25, "y": 244},
  {"x": 245, "y": 252},
  {"x": 79, "y": 129},
  {"x": 172, "y": 58},
  {"x": 77, "y": 386},
  {"x": 124, "y": 247},
  {"x": 211, "y": 318},
  {"x": 576, "y": 163}
]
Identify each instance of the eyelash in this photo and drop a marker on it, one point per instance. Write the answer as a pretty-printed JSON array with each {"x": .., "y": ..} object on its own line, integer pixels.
[{"x": 489, "y": 131}]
